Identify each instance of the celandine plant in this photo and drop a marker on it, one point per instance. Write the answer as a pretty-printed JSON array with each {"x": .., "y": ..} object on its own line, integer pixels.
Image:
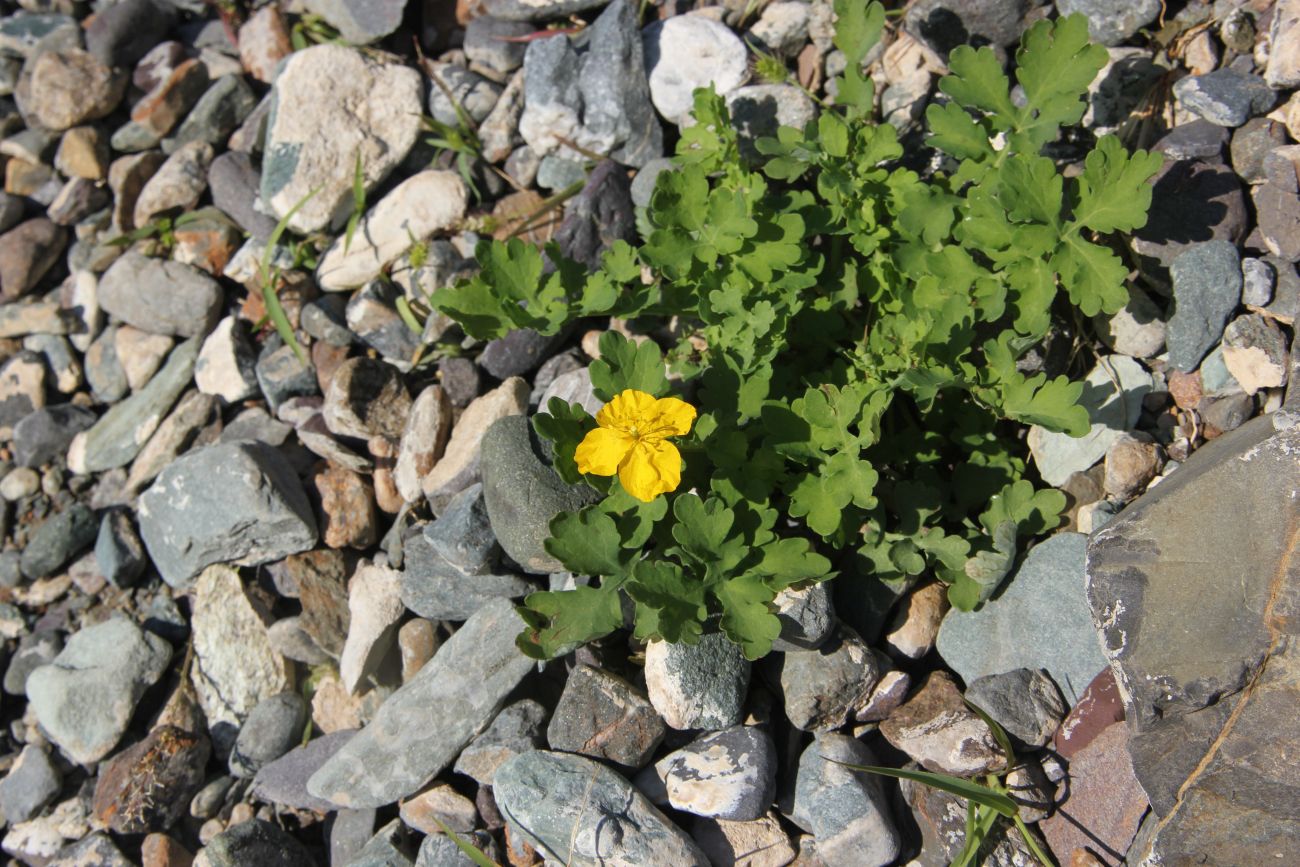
[{"x": 850, "y": 337}]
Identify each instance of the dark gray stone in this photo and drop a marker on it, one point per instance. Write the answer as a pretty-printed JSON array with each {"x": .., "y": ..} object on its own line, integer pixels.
[
  {"x": 349, "y": 833},
  {"x": 820, "y": 688},
  {"x": 96, "y": 848},
  {"x": 1041, "y": 620},
  {"x": 60, "y": 538},
  {"x": 256, "y": 842},
  {"x": 1207, "y": 288},
  {"x": 31, "y": 783},
  {"x": 235, "y": 182},
  {"x": 730, "y": 774},
  {"x": 419, "y": 730},
  {"x": 122, "y": 33},
  {"x": 1227, "y": 410},
  {"x": 1251, "y": 143},
  {"x": 597, "y": 217},
  {"x": 34, "y": 650},
  {"x": 846, "y": 810},
  {"x": 160, "y": 297},
  {"x": 945, "y": 24},
  {"x": 461, "y": 380},
  {"x": 1025, "y": 703},
  {"x": 536, "y": 792},
  {"x": 230, "y": 502},
  {"x": 603, "y": 716},
  {"x": 1277, "y": 204},
  {"x": 517, "y": 353},
  {"x": 215, "y": 116},
  {"x": 537, "y": 10},
  {"x": 1227, "y": 97},
  {"x": 807, "y": 618},
  {"x": 372, "y": 316},
  {"x": 272, "y": 728},
  {"x": 119, "y": 553},
  {"x": 103, "y": 369},
  {"x": 45, "y": 434},
  {"x": 462, "y": 535},
  {"x": 284, "y": 780},
  {"x": 455, "y": 86},
  {"x": 438, "y": 850},
  {"x": 1111, "y": 22},
  {"x": 391, "y": 846},
  {"x": 487, "y": 42},
  {"x": 326, "y": 318},
  {"x": 523, "y": 494},
  {"x": 516, "y": 729},
  {"x": 85, "y": 699},
  {"x": 282, "y": 375}
]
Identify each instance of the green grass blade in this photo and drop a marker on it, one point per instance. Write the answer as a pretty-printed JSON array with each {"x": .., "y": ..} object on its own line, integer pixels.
[
  {"x": 977, "y": 792},
  {"x": 408, "y": 316},
  {"x": 274, "y": 308},
  {"x": 1043, "y": 858},
  {"x": 998, "y": 734},
  {"x": 358, "y": 203},
  {"x": 472, "y": 852},
  {"x": 975, "y": 837},
  {"x": 279, "y": 230}
]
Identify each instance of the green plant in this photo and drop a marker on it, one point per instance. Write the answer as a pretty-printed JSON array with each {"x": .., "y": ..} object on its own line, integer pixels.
[
  {"x": 310, "y": 30},
  {"x": 161, "y": 229},
  {"x": 987, "y": 802},
  {"x": 358, "y": 203},
  {"x": 849, "y": 331},
  {"x": 270, "y": 274}
]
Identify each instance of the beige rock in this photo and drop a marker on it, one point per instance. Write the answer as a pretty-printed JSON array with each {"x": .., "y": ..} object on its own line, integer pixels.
[
  {"x": 264, "y": 42},
  {"x": 334, "y": 709},
  {"x": 69, "y": 87},
  {"x": 936, "y": 729},
  {"x": 418, "y": 642},
  {"x": 443, "y": 803},
  {"x": 375, "y": 606},
  {"x": 83, "y": 153},
  {"x": 760, "y": 843},
  {"x": 1283, "y": 69},
  {"x": 347, "y": 507},
  {"x": 173, "y": 437},
  {"x": 225, "y": 365},
  {"x": 888, "y": 694},
  {"x": 140, "y": 354},
  {"x": 459, "y": 466},
  {"x": 160, "y": 109},
  {"x": 178, "y": 183},
  {"x": 916, "y": 623},
  {"x": 1131, "y": 463},
  {"x": 423, "y": 441}
]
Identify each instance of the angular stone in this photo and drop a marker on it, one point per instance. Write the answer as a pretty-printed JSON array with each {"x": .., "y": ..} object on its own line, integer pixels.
[
  {"x": 1227, "y": 97},
  {"x": 273, "y": 727},
  {"x": 820, "y": 688},
  {"x": 421, "y": 727},
  {"x": 235, "y": 667},
  {"x": 226, "y": 365},
  {"x": 147, "y": 786},
  {"x": 1104, "y": 804},
  {"x": 231, "y": 502},
  {"x": 58, "y": 539},
  {"x": 221, "y": 108},
  {"x": 936, "y": 729},
  {"x": 1192, "y": 201},
  {"x": 366, "y": 398},
  {"x": 346, "y": 515},
  {"x": 284, "y": 781},
  {"x": 159, "y": 110},
  {"x": 375, "y": 608},
  {"x": 160, "y": 297},
  {"x": 178, "y": 183},
  {"x": 1207, "y": 288},
  {"x": 603, "y": 716},
  {"x": 263, "y": 43},
  {"x": 460, "y": 464},
  {"x": 85, "y": 699},
  {"x": 32, "y": 782},
  {"x": 373, "y": 109},
  {"x": 516, "y": 729},
  {"x": 539, "y": 793},
  {"x": 193, "y": 412},
  {"x": 27, "y": 252},
  {"x": 423, "y": 440},
  {"x": 1255, "y": 352},
  {"x": 730, "y": 774},
  {"x": 1025, "y": 703},
  {"x": 443, "y": 803}
]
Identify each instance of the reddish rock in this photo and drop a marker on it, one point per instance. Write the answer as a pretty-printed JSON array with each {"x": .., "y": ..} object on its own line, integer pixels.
[
  {"x": 171, "y": 99},
  {"x": 148, "y": 786},
  {"x": 936, "y": 729},
  {"x": 346, "y": 507},
  {"x": 1185, "y": 388},
  {"x": 264, "y": 42},
  {"x": 1105, "y": 803},
  {"x": 159, "y": 850},
  {"x": 1098, "y": 708},
  {"x": 322, "y": 581}
]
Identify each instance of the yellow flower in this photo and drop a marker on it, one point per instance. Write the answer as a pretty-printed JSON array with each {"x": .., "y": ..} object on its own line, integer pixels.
[{"x": 631, "y": 441}]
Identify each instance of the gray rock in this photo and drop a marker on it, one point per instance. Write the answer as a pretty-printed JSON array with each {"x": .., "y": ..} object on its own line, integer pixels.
[
  {"x": 728, "y": 775},
  {"x": 1258, "y": 280},
  {"x": 27, "y": 252},
  {"x": 758, "y": 110},
  {"x": 462, "y": 535},
  {"x": 282, "y": 374},
  {"x": 121, "y": 34},
  {"x": 596, "y": 98},
  {"x": 160, "y": 297},
  {"x": 518, "y": 352},
  {"x": 1025, "y": 703},
  {"x": 516, "y": 729},
  {"x": 687, "y": 52},
  {"x": 22, "y": 389},
  {"x": 34, "y": 650},
  {"x": 103, "y": 369},
  {"x": 807, "y": 618},
  {"x": 603, "y": 716},
  {"x": 96, "y": 848},
  {"x": 455, "y": 86},
  {"x": 945, "y": 24},
  {"x": 255, "y": 842},
  {"x": 372, "y": 316},
  {"x": 461, "y": 380},
  {"x": 537, "y": 793},
  {"x": 389, "y": 847},
  {"x": 1276, "y": 203},
  {"x": 271, "y": 730},
  {"x": 420, "y": 728},
  {"x": 1207, "y": 288},
  {"x": 438, "y": 850},
  {"x": 821, "y": 688},
  {"x": 1112, "y": 411},
  {"x": 487, "y": 43},
  {"x": 226, "y": 367},
  {"x": 234, "y": 182},
  {"x": 121, "y": 433},
  {"x": 1137, "y": 330},
  {"x": 360, "y": 23},
  {"x": 1111, "y": 22},
  {"x": 231, "y": 502},
  {"x": 1227, "y": 97},
  {"x": 85, "y": 699},
  {"x": 1255, "y": 352},
  {"x": 537, "y": 10},
  {"x": 846, "y": 810},
  {"x": 1251, "y": 143},
  {"x": 1041, "y": 621},
  {"x": 326, "y": 318},
  {"x": 1201, "y": 702},
  {"x": 220, "y": 109},
  {"x": 21, "y": 35},
  {"x": 313, "y": 143},
  {"x": 698, "y": 686},
  {"x": 60, "y": 538},
  {"x": 284, "y": 780},
  {"x": 31, "y": 783},
  {"x": 643, "y": 185},
  {"x": 523, "y": 494},
  {"x": 436, "y": 589}
]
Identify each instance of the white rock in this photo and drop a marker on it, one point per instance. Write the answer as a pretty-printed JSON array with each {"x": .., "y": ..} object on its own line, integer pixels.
[
  {"x": 19, "y": 482},
  {"x": 375, "y": 607},
  {"x": 690, "y": 51},
  {"x": 225, "y": 367},
  {"x": 417, "y": 208},
  {"x": 459, "y": 466},
  {"x": 140, "y": 354},
  {"x": 333, "y": 103}
]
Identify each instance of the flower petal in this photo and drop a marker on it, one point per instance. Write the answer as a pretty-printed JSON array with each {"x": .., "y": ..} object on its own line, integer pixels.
[
  {"x": 673, "y": 417},
  {"x": 602, "y": 450},
  {"x": 629, "y": 409},
  {"x": 650, "y": 469}
]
